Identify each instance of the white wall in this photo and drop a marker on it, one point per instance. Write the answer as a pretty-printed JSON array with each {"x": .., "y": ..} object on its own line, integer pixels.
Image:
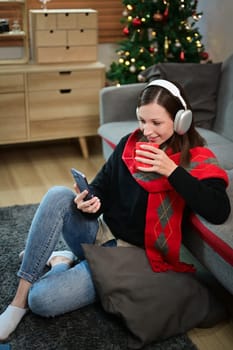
[
  {"x": 216, "y": 27},
  {"x": 107, "y": 54}
]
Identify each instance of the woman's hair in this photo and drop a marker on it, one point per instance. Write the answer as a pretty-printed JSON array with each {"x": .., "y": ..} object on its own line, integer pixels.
[{"x": 164, "y": 98}]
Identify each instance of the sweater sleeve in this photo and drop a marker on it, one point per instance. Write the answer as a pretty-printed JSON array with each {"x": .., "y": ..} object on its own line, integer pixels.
[{"x": 207, "y": 197}]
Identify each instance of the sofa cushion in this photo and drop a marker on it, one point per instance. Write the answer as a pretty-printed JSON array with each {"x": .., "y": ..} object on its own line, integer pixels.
[
  {"x": 200, "y": 82},
  {"x": 152, "y": 305},
  {"x": 112, "y": 132},
  {"x": 222, "y": 147}
]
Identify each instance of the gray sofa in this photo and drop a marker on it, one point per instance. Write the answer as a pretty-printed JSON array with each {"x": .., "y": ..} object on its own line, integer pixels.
[{"x": 210, "y": 91}]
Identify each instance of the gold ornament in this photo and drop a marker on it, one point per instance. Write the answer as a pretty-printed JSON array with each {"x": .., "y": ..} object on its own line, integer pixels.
[{"x": 166, "y": 45}]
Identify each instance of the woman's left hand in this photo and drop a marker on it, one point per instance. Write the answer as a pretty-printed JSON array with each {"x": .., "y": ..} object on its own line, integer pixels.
[
  {"x": 155, "y": 160},
  {"x": 87, "y": 206}
]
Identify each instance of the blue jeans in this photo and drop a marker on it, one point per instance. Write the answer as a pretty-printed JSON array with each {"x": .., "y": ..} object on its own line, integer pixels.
[{"x": 62, "y": 289}]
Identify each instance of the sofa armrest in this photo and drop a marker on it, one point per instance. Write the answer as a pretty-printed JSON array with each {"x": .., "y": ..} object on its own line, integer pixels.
[
  {"x": 118, "y": 103},
  {"x": 212, "y": 244}
]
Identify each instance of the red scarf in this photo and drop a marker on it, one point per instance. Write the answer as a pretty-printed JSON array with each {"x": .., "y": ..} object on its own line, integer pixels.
[{"x": 165, "y": 206}]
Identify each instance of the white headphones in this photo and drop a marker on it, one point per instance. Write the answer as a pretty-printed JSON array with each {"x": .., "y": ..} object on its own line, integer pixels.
[{"x": 183, "y": 118}]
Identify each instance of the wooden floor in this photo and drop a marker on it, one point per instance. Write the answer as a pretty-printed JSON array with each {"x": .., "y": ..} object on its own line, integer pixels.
[{"x": 27, "y": 171}]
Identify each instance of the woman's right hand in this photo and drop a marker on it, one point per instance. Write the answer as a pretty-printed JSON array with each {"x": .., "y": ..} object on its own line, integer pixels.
[{"x": 90, "y": 206}]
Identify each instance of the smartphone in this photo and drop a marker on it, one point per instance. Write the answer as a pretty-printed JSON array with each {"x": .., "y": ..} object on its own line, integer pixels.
[{"x": 82, "y": 183}]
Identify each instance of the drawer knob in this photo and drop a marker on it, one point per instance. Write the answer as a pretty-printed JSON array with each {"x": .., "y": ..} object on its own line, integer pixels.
[
  {"x": 65, "y": 91},
  {"x": 65, "y": 72}
]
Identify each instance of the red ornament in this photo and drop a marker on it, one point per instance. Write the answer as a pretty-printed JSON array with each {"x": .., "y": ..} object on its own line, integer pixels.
[
  {"x": 204, "y": 55},
  {"x": 136, "y": 22},
  {"x": 166, "y": 13},
  {"x": 151, "y": 49},
  {"x": 126, "y": 31},
  {"x": 182, "y": 55}
]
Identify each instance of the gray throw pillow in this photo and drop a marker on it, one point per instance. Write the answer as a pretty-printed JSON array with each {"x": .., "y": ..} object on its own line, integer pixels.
[
  {"x": 200, "y": 82},
  {"x": 153, "y": 306}
]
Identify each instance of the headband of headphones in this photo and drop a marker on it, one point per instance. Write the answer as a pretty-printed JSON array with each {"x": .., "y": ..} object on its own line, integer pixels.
[{"x": 170, "y": 87}]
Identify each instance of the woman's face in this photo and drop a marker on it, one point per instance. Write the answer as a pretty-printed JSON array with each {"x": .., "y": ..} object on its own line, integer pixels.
[{"x": 155, "y": 123}]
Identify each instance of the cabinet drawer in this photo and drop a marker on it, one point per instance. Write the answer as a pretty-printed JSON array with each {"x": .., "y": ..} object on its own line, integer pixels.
[
  {"x": 66, "y": 79},
  {"x": 50, "y": 37},
  {"x": 11, "y": 82},
  {"x": 45, "y": 20},
  {"x": 60, "y": 104},
  {"x": 12, "y": 117},
  {"x": 66, "y": 20},
  {"x": 63, "y": 128},
  {"x": 82, "y": 37},
  {"x": 66, "y": 54},
  {"x": 87, "y": 20},
  {"x": 64, "y": 113}
]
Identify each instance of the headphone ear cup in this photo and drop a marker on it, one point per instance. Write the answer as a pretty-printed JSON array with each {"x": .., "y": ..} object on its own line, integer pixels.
[{"x": 183, "y": 120}]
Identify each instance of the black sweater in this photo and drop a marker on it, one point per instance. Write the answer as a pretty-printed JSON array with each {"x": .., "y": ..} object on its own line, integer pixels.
[{"x": 124, "y": 201}]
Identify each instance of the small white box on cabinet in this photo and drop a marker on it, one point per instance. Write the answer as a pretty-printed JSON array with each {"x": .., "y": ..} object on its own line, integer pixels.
[{"x": 64, "y": 35}]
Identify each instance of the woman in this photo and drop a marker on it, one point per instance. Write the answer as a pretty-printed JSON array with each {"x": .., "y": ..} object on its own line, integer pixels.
[{"x": 141, "y": 197}]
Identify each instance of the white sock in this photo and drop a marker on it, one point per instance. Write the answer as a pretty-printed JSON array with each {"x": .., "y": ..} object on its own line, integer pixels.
[{"x": 9, "y": 320}]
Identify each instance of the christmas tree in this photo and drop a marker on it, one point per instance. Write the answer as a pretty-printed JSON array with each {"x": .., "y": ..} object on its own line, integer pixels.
[{"x": 156, "y": 31}]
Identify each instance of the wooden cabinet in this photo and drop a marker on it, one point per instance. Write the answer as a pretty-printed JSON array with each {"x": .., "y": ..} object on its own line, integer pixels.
[
  {"x": 13, "y": 124},
  {"x": 16, "y": 33},
  {"x": 56, "y": 95},
  {"x": 46, "y": 102},
  {"x": 59, "y": 36},
  {"x": 64, "y": 101}
]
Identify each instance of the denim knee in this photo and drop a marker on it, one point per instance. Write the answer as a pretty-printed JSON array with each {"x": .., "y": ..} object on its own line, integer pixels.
[
  {"x": 39, "y": 304},
  {"x": 57, "y": 193}
]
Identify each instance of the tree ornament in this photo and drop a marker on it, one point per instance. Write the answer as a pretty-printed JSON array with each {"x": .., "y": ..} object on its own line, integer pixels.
[
  {"x": 182, "y": 56},
  {"x": 158, "y": 17},
  {"x": 151, "y": 33},
  {"x": 166, "y": 13},
  {"x": 166, "y": 45},
  {"x": 132, "y": 68},
  {"x": 141, "y": 78},
  {"x": 177, "y": 43},
  {"x": 129, "y": 7},
  {"x": 126, "y": 31},
  {"x": 136, "y": 22},
  {"x": 125, "y": 13},
  {"x": 204, "y": 55}
]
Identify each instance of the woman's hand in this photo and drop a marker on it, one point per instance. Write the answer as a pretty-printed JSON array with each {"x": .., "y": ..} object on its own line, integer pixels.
[
  {"x": 89, "y": 206},
  {"x": 155, "y": 160}
]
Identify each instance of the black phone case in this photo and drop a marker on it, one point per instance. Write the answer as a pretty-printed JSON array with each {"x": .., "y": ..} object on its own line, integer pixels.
[{"x": 81, "y": 181}]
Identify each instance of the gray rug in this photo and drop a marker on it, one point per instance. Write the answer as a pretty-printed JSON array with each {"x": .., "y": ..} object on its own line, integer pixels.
[{"x": 87, "y": 329}]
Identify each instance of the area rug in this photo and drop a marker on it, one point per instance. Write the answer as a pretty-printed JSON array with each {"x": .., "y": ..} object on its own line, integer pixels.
[{"x": 89, "y": 328}]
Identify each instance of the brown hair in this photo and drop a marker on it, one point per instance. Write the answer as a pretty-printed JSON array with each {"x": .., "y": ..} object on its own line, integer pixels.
[{"x": 164, "y": 98}]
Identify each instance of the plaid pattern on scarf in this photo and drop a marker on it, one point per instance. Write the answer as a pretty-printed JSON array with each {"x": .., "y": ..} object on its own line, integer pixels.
[{"x": 165, "y": 206}]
